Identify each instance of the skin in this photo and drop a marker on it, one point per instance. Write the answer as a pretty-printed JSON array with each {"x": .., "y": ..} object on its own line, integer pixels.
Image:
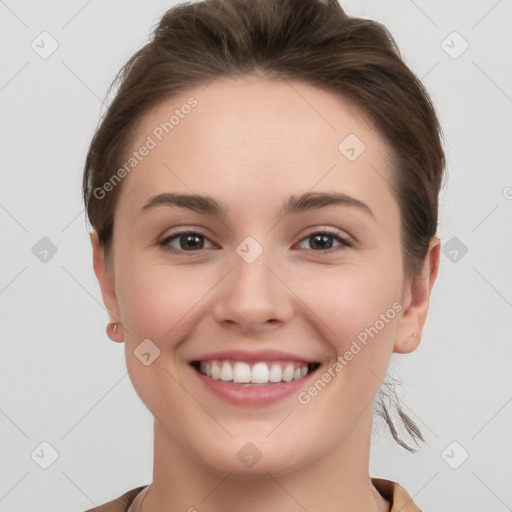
[{"x": 251, "y": 144}]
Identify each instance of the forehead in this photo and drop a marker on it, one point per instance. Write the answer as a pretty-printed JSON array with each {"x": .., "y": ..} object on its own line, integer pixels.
[{"x": 253, "y": 139}]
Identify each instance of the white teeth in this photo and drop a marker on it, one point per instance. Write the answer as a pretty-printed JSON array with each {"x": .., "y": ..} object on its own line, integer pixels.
[
  {"x": 275, "y": 373},
  {"x": 215, "y": 371},
  {"x": 241, "y": 373},
  {"x": 206, "y": 369},
  {"x": 260, "y": 373},
  {"x": 226, "y": 372},
  {"x": 288, "y": 373}
]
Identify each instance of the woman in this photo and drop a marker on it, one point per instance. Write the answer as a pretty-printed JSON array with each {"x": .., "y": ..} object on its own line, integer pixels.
[{"x": 263, "y": 193}]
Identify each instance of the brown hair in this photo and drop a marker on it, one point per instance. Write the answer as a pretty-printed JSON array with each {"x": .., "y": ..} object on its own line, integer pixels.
[{"x": 311, "y": 40}]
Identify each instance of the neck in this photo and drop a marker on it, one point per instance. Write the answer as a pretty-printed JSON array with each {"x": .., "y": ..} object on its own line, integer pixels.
[{"x": 337, "y": 482}]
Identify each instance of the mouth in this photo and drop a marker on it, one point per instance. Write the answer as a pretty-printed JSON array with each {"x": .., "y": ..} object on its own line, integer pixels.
[{"x": 254, "y": 374}]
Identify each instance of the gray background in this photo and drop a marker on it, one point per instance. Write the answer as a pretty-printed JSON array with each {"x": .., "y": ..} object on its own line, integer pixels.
[{"x": 63, "y": 381}]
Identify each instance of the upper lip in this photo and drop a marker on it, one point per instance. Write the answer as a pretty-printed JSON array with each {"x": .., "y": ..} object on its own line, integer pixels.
[{"x": 252, "y": 357}]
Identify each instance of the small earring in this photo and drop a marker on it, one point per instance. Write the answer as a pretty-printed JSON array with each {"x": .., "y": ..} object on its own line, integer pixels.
[
  {"x": 112, "y": 329},
  {"x": 112, "y": 326}
]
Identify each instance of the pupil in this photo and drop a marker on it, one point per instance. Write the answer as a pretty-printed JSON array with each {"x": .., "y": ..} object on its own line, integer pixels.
[
  {"x": 185, "y": 239},
  {"x": 325, "y": 239}
]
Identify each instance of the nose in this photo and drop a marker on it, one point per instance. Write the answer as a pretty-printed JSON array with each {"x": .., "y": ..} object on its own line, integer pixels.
[{"x": 253, "y": 296}]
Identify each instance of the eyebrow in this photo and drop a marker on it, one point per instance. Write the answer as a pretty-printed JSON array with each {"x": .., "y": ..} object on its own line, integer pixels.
[{"x": 305, "y": 202}]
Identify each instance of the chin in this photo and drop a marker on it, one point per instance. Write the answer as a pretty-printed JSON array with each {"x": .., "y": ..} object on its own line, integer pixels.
[{"x": 246, "y": 460}]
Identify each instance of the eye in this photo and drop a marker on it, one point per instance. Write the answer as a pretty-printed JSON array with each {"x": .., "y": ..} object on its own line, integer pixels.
[
  {"x": 323, "y": 241},
  {"x": 188, "y": 241},
  {"x": 192, "y": 241}
]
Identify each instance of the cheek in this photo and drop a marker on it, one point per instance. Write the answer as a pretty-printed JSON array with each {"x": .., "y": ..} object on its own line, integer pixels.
[
  {"x": 157, "y": 303},
  {"x": 358, "y": 310},
  {"x": 352, "y": 299},
  {"x": 154, "y": 299}
]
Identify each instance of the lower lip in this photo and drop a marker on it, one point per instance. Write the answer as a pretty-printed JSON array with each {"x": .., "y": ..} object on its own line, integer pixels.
[{"x": 252, "y": 395}]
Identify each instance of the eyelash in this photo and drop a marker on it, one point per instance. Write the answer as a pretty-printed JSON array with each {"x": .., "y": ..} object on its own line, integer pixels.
[{"x": 343, "y": 241}]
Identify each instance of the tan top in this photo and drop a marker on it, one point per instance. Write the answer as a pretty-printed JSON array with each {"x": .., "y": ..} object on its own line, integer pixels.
[{"x": 396, "y": 495}]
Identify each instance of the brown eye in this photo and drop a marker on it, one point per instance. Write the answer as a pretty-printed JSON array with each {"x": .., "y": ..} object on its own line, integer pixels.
[
  {"x": 190, "y": 241},
  {"x": 187, "y": 241},
  {"x": 322, "y": 241}
]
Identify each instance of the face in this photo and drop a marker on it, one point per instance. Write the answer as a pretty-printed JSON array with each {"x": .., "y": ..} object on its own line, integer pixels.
[{"x": 292, "y": 263}]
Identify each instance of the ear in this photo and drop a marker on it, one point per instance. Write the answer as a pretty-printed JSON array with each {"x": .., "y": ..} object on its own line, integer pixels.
[
  {"x": 416, "y": 299},
  {"x": 105, "y": 278}
]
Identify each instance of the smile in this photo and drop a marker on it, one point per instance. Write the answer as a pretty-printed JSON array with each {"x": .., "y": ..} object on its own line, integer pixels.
[{"x": 259, "y": 373}]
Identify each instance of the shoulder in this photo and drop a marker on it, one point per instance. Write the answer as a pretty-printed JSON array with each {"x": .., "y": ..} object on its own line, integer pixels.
[
  {"x": 396, "y": 495},
  {"x": 120, "y": 504},
  {"x": 392, "y": 491}
]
